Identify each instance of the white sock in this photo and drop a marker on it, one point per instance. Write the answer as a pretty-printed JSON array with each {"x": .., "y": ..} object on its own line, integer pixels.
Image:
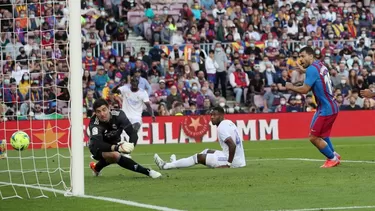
[
  {"x": 182, "y": 163},
  {"x": 334, "y": 158}
]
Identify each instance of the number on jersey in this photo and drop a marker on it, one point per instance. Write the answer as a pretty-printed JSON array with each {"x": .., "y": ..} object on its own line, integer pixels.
[
  {"x": 238, "y": 139},
  {"x": 327, "y": 79}
]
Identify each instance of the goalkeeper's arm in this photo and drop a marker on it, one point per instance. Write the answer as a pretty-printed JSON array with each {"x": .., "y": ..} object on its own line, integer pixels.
[{"x": 97, "y": 140}]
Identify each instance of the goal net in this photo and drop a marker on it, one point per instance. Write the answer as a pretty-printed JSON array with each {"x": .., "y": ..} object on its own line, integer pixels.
[{"x": 35, "y": 98}]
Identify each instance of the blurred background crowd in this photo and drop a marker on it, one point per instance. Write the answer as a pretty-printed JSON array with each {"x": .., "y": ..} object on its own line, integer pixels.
[{"x": 189, "y": 55}]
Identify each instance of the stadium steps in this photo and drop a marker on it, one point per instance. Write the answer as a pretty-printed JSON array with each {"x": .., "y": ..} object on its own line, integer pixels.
[{"x": 137, "y": 43}]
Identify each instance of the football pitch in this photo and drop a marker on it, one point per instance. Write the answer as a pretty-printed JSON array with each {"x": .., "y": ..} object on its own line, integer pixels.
[{"x": 280, "y": 175}]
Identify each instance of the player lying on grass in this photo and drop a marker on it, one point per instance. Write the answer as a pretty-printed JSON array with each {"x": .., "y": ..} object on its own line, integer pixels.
[
  {"x": 319, "y": 81},
  {"x": 106, "y": 127},
  {"x": 232, "y": 156}
]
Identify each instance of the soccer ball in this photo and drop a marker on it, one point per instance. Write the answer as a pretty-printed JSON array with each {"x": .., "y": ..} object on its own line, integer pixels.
[{"x": 20, "y": 140}]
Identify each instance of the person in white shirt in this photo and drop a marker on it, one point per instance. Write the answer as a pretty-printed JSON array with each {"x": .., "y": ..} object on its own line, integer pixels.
[
  {"x": 133, "y": 100},
  {"x": 211, "y": 67},
  {"x": 231, "y": 156}
]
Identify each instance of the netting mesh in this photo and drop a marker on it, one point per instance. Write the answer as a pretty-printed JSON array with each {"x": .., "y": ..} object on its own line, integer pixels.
[{"x": 35, "y": 97}]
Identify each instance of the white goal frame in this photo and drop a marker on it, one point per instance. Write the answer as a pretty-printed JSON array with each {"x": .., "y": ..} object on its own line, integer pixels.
[{"x": 76, "y": 96}]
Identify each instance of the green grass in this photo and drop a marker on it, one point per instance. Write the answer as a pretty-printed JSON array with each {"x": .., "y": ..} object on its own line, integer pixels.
[{"x": 264, "y": 184}]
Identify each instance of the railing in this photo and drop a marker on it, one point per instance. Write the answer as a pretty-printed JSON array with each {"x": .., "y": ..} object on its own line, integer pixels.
[{"x": 123, "y": 46}]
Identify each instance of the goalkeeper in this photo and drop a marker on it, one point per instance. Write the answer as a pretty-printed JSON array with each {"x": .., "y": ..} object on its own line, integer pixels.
[{"x": 105, "y": 140}]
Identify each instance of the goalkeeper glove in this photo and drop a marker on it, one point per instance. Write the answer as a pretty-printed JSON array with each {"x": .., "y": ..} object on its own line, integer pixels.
[{"x": 124, "y": 147}]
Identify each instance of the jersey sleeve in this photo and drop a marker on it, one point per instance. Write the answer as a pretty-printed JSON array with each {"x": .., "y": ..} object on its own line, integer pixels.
[
  {"x": 312, "y": 75},
  {"x": 145, "y": 97},
  {"x": 125, "y": 125},
  {"x": 97, "y": 138},
  {"x": 122, "y": 89}
]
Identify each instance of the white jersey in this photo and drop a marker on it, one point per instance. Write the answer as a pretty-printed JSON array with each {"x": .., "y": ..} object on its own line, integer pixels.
[
  {"x": 132, "y": 103},
  {"x": 228, "y": 129}
]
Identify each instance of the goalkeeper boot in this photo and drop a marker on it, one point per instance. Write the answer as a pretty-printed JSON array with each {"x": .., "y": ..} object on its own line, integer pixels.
[
  {"x": 94, "y": 172},
  {"x": 159, "y": 162},
  {"x": 331, "y": 163},
  {"x": 173, "y": 158},
  {"x": 154, "y": 174}
]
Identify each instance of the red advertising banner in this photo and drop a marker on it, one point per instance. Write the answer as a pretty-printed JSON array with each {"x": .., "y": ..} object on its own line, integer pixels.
[{"x": 192, "y": 129}]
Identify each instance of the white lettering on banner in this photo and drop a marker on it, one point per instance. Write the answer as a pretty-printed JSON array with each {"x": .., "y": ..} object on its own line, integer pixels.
[
  {"x": 183, "y": 138},
  {"x": 211, "y": 135},
  {"x": 250, "y": 129},
  {"x": 272, "y": 128},
  {"x": 168, "y": 134},
  {"x": 142, "y": 133},
  {"x": 155, "y": 134}
]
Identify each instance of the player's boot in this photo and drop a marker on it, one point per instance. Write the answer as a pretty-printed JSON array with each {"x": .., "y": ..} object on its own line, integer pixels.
[
  {"x": 331, "y": 163},
  {"x": 154, "y": 174},
  {"x": 159, "y": 162},
  {"x": 173, "y": 158},
  {"x": 337, "y": 155},
  {"x": 94, "y": 172}
]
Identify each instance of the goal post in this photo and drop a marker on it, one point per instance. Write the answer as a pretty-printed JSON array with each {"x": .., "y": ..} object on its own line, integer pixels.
[{"x": 76, "y": 96}]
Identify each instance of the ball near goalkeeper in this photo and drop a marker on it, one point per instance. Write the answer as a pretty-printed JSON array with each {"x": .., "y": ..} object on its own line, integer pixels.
[{"x": 105, "y": 140}]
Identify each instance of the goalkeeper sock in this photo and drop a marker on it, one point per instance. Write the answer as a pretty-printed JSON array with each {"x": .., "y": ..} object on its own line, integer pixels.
[
  {"x": 182, "y": 163},
  {"x": 132, "y": 165},
  {"x": 100, "y": 165},
  {"x": 328, "y": 140}
]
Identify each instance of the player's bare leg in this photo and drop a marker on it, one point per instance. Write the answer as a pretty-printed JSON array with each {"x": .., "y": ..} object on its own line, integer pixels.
[
  {"x": 127, "y": 163},
  {"x": 183, "y": 162},
  {"x": 332, "y": 159}
]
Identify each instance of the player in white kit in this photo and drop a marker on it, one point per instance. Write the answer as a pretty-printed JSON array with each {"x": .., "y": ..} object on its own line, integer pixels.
[
  {"x": 132, "y": 103},
  {"x": 231, "y": 156}
]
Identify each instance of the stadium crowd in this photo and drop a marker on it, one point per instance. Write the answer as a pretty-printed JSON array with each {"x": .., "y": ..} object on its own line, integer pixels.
[{"x": 202, "y": 53}]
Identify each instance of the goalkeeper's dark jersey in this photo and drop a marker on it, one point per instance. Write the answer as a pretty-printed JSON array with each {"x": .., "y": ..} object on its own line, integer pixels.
[{"x": 105, "y": 134}]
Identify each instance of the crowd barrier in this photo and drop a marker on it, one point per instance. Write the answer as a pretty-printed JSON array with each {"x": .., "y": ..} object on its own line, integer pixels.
[{"x": 196, "y": 129}]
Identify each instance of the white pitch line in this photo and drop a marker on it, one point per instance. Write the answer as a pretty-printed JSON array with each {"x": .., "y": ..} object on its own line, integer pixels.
[
  {"x": 333, "y": 208},
  {"x": 248, "y": 160},
  {"x": 119, "y": 201}
]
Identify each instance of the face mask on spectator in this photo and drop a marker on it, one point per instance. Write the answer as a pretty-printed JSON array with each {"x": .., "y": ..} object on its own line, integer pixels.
[
  {"x": 91, "y": 86},
  {"x": 26, "y": 78},
  {"x": 126, "y": 59},
  {"x": 218, "y": 49},
  {"x": 117, "y": 79},
  {"x": 363, "y": 35},
  {"x": 343, "y": 81},
  {"x": 36, "y": 81},
  {"x": 324, "y": 16},
  {"x": 317, "y": 52},
  {"x": 260, "y": 8},
  {"x": 298, "y": 97},
  {"x": 111, "y": 20},
  {"x": 252, "y": 58},
  {"x": 368, "y": 63},
  {"x": 327, "y": 60},
  {"x": 363, "y": 16},
  {"x": 240, "y": 51},
  {"x": 345, "y": 11},
  {"x": 252, "y": 45},
  {"x": 237, "y": 108},
  {"x": 331, "y": 36},
  {"x": 269, "y": 70},
  {"x": 282, "y": 102},
  {"x": 242, "y": 20},
  {"x": 228, "y": 51},
  {"x": 89, "y": 54},
  {"x": 33, "y": 58},
  {"x": 297, "y": 49},
  {"x": 102, "y": 13},
  {"x": 32, "y": 16},
  {"x": 166, "y": 12},
  {"x": 316, "y": 12},
  {"x": 194, "y": 88},
  {"x": 112, "y": 61},
  {"x": 221, "y": 104},
  {"x": 111, "y": 86},
  {"x": 139, "y": 57},
  {"x": 6, "y": 81}
]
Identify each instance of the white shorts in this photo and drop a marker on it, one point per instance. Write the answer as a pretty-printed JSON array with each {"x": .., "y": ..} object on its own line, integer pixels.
[{"x": 216, "y": 159}]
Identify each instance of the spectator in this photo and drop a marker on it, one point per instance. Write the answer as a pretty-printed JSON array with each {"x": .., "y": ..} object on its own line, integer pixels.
[
  {"x": 239, "y": 81},
  {"x": 272, "y": 99}
]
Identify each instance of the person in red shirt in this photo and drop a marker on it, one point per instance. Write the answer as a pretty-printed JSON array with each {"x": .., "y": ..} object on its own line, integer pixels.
[
  {"x": 171, "y": 77},
  {"x": 239, "y": 80}
]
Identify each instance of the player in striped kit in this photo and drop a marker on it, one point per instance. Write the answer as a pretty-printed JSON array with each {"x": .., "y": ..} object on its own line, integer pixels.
[{"x": 318, "y": 80}]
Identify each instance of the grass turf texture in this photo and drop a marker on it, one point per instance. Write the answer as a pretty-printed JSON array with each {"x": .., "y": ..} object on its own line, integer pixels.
[{"x": 264, "y": 184}]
